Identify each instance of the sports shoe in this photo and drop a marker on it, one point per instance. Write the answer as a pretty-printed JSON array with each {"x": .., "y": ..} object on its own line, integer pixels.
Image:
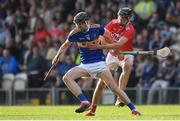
[
  {"x": 120, "y": 104},
  {"x": 135, "y": 113},
  {"x": 83, "y": 107},
  {"x": 90, "y": 114}
]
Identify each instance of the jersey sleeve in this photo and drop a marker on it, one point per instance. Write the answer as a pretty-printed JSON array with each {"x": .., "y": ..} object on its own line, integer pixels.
[
  {"x": 109, "y": 26},
  {"x": 101, "y": 30},
  {"x": 72, "y": 38}
]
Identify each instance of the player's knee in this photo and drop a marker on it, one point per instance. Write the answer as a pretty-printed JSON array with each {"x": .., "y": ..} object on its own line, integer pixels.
[{"x": 66, "y": 78}]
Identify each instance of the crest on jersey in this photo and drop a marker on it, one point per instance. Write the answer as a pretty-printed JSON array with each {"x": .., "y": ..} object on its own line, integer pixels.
[{"x": 87, "y": 37}]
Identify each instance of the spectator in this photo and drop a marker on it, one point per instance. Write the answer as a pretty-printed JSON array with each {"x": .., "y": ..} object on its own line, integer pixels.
[
  {"x": 10, "y": 18},
  {"x": 59, "y": 16},
  {"x": 140, "y": 43},
  {"x": 156, "y": 42},
  {"x": 9, "y": 44},
  {"x": 45, "y": 13},
  {"x": 166, "y": 35},
  {"x": 36, "y": 67},
  {"x": 3, "y": 8},
  {"x": 78, "y": 6},
  {"x": 146, "y": 38},
  {"x": 108, "y": 17},
  {"x": 172, "y": 95},
  {"x": 27, "y": 55},
  {"x": 19, "y": 47},
  {"x": 32, "y": 19},
  {"x": 70, "y": 19},
  {"x": 4, "y": 32},
  {"x": 172, "y": 15},
  {"x": 8, "y": 63},
  {"x": 164, "y": 79},
  {"x": 65, "y": 30},
  {"x": 41, "y": 34},
  {"x": 55, "y": 33},
  {"x": 140, "y": 64},
  {"x": 177, "y": 77},
  {"x": 149, "y": 72},
  {"x": 21, "y": 20}
]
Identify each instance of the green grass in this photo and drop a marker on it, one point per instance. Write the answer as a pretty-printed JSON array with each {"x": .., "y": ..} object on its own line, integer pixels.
[{"x": 158, "y": 112}]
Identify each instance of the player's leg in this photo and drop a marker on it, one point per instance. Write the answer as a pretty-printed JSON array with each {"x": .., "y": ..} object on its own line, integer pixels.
[
  {"x": 96, "y": 97},
  {"x": 108, "y": 80},
  {"x": 69, "y": 80},
  {"x": 99, "y": 88},
  {"x": 126, "y": 66}
]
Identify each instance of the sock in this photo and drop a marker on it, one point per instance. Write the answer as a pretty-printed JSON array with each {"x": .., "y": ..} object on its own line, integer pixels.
[
  {"x": 131, "y": 106},
  {"x": 93, "y": 110},
  {"x": 82, "y": 98}
]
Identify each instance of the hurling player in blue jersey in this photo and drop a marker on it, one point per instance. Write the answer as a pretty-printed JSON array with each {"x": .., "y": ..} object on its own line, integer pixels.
[{"x": 92, "y": 61}]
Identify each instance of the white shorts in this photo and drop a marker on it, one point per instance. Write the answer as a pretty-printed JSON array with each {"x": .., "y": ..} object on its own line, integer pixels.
[
  {"x": 113, "y": 62},
  {"x": 94, "y": 68}
]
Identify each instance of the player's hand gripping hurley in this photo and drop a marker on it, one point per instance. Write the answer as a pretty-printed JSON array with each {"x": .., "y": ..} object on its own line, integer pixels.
[
  {"x": 164, "y": 52},
  {"x": 47, "y": 75},
  {"x": 55, "y": 61}
]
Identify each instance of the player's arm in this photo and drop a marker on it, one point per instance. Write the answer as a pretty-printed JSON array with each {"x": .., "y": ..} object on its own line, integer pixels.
[
  {"x": 71, "y": 38},
  {"x": 114, "y": 45},
  {"x": 106, "y": 38},
  {"x": 61, "y": 50}
]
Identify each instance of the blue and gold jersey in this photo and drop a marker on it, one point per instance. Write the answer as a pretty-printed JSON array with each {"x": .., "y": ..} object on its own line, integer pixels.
[{"x": 88, "y": 37}]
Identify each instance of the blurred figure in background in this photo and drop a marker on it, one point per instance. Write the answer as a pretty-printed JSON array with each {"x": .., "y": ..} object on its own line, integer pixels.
[
  {"x": 149, "y": 72},
  {"x": 55, "y": 33},
  {"x": 156, "y": 42},
  {"x": 4, "y": 32},
  {"x": 165, "y": 78},
  {"x": 8, "y": 63},
  {"x": 35, "y": 69},
  {"x": 41, "y": 36}
]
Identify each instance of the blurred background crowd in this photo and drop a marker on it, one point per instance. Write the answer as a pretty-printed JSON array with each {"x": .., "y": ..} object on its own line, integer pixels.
[{"x": 31, "y": 32}]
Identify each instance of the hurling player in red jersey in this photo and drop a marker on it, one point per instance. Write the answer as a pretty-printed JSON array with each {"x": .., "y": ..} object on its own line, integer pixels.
[{"x": 122, "y": 33}]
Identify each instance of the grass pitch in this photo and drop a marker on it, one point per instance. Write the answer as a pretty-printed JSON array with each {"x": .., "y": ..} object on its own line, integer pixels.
[{"x": 151, "y": 112}]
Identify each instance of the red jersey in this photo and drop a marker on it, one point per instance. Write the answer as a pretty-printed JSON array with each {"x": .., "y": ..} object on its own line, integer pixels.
[
  {"x": 117, "y": 31},
  {"x": 40, "y": 35},
  {"x": 55, "y": 34}
]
